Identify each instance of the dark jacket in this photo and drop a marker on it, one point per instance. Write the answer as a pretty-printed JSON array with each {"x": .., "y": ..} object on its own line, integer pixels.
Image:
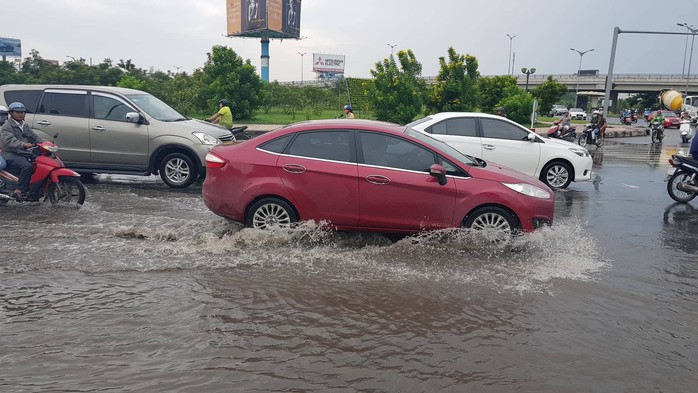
[{"x": 13, "y": 138}]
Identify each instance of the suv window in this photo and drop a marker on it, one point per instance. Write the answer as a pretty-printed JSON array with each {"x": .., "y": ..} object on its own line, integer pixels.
[
  {"x": 393, "y": 152},
  {"x": 492, "y": 128},
  {"x": 461, "y": 126},
  {"x": 326, "y": 145},
  {"x": 30, "y": 98},
  {"x": 109, "y": 108},
  {"x": 73, "y": 103}
]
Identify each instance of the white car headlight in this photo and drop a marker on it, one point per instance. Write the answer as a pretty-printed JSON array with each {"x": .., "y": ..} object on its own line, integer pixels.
[
  {"x": 206, "y": 139},
  {"x": 580, "y": 152},
  {"x": 528, "y": 190}
]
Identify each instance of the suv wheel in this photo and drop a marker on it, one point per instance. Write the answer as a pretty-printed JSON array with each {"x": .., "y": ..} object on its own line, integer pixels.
[{"x": 177, "y": 170}]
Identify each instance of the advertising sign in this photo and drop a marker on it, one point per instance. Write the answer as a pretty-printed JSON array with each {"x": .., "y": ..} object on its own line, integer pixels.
[
  {"x": 328, "y": 63},
  {"x": 254, "y": 15},
  {"x": 249, "y": 18},
  {"x": 10, "y": 47}
]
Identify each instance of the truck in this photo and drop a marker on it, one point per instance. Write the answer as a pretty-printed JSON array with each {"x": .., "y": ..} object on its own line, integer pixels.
[{"x": 674, "y": 101}]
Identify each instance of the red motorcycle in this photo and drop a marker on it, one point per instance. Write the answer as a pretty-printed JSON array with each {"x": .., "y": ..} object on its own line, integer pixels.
[{"x": 51, "y": 179}]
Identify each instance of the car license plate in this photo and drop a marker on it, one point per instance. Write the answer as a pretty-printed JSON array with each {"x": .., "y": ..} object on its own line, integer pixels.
[{"x": 670, "y": 171}]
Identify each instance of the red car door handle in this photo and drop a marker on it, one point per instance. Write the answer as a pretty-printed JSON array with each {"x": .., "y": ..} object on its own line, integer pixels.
[
  {"x": 294, "y": 168},
  {"x": 377, "y": 179}
]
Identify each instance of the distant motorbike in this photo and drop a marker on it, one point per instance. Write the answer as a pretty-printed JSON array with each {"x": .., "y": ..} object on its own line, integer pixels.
[
  {"x": 686, "y": 130},
  {"x": 587, "y": 137},
  {"x": 635, "y": 117},
  {"x": 568, "y": 134},
  {"x": 682, "y": 178},
  {"x": 51, "y": 179},
  {"x": 626, "y": 119},
  {"x": 657, "y": 132},
  {"x": 238, "y": 132}
]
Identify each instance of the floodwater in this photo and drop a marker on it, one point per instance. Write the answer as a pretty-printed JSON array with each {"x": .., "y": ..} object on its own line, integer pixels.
[{"x": 143, "y": 289}]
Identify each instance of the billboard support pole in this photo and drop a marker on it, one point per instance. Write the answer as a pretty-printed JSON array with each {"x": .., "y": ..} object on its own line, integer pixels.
[{"x": 265, "y": 55}]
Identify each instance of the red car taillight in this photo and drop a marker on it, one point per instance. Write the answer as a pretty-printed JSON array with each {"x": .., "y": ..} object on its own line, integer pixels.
[{"x": 213, "y": 161}]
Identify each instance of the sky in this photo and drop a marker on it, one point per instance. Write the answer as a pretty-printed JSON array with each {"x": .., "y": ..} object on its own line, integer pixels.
[{"x": 175, "y": 35}]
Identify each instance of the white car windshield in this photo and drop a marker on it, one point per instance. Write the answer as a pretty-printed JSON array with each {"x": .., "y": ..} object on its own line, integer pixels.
[
  {"x": 156, "y": 108},
  {"x": 576, "y": 110},
  {"x": 443, "y": 147}
]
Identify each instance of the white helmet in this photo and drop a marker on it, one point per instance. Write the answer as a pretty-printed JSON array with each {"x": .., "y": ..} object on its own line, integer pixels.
[
  {"x": 3, "y": 110},
  {"x": 595, "y": 112}
]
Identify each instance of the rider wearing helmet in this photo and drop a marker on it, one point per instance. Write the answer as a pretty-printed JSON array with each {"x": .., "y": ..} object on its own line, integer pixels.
[
  {"x": 500, "y": 112},
  {"x": 349, "y": 112},
  {"x": 224, "y": 116},
  {"x": 16, "y": 136},
  {"x": 598, "y": 124}
]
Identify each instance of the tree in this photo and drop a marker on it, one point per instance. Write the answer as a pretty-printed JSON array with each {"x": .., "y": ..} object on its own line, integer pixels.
[
  {"x": 549, "y": 93},
  {"x": 9, "y": 74},
  {"x": 399, "y": 91},
  {"x": 455, "y": 88},
  {"x": 228, "y": 76},
  {"x": 492, "y": 90},
  {"x": 517, "y": 104}
]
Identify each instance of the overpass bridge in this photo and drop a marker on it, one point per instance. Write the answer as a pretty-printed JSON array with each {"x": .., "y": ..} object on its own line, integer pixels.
[{"x": 621, "y": 83}]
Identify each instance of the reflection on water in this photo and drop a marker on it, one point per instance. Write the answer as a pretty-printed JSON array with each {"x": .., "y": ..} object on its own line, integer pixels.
[
  {"x": 654, "y": 154},
  {"x": 680, "y": 228}
]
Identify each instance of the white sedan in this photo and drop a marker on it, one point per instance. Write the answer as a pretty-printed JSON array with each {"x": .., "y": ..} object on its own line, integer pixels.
[{"x": 496, "y": 139}]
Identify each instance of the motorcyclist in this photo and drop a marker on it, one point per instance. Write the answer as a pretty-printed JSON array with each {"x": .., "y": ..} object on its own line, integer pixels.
[
  {"x": 349, "y": 112},
  {"x": 598, "y": 124},
  {"x": 500, "y": 112},
  {"x": 16, "y": 136},
  {"x": 224, "y": 116},
  {"x": 565, "y": 122},
  {"x": 659, "y": 119}
]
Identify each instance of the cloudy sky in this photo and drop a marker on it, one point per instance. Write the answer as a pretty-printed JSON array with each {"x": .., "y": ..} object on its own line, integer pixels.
[{"x": 177, "y": 34}]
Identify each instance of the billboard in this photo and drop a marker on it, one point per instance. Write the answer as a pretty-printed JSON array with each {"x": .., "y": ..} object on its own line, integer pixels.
[
  {"x": 10, "y": 47},
  {"x": 249, "y": 18},
  {"x": 328, "y": 63}
]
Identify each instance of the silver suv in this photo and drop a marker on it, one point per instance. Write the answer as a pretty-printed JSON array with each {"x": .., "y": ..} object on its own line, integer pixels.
[{"x": 118, "y": 130}]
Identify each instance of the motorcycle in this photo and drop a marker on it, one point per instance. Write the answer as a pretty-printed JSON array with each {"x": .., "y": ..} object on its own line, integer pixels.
[
  {"x": 568, "y": 134},
  {"x": 51, "y": 180},
  {"x": 587, "y": 137},
  {"x": 635, "y": 117},
  {"x": 686, "y": 130},
  {"x": 682, "y": 178},
  {"x": 657, "y": 132},
  {"x": 238, "y": 132},
  {"x": 626, "y": 119}
]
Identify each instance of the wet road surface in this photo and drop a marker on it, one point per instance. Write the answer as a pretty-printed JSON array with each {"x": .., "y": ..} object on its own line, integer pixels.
[{"x": 143, "y": 289}]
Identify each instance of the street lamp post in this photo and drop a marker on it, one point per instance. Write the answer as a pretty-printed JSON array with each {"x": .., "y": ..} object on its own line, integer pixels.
[
  {"x": 581, "y": 54},
  {"x": 302, "y": 54},
  {"x": 685, "y": 49},
  {"x": 528, "y": 72},
  {"x": 690, "y": 56},
  {"x": 510, "y": 66},
  {"x": 392, "y": 46}
]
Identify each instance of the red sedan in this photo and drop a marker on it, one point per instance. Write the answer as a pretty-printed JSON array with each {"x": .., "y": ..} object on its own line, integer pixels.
[
  {"x": 671, "y": 119},
  {"x": 362, "y": 175}
]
